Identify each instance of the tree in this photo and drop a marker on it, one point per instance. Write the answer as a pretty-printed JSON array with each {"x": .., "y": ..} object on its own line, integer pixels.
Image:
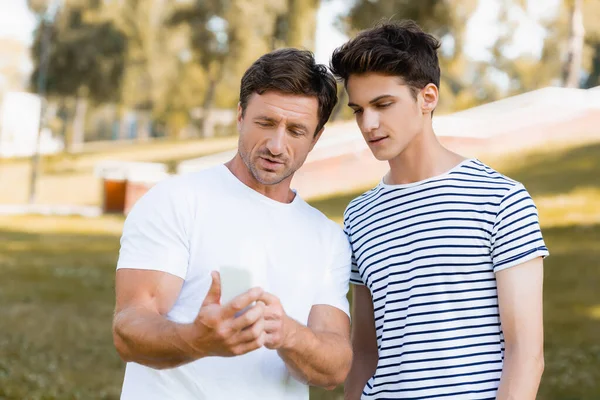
[
  {"x": 208, "y": 44},
  {"x": 302, "y": 23},
  {"x": 152, "y": 62},
  {"x": 86, "y": 60},
  {"x": 570, "y": 49},
  {"x": 251, "y": 27},
  {"x": 593, "y": 79},
  {"x": 524, "y": 71},
  {"x": 225, "y": 37},
  {"x": 591, "y": 20},
  {"x": 573, "y": 63},
  {"x": 182, "y": 56}
]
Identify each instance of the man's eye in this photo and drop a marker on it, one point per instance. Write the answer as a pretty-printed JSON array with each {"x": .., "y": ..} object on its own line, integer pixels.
[
  {"x": 384, "y": 105},
  {"x": 356, "y": 111},
  {"x": 263, "y": 124}
]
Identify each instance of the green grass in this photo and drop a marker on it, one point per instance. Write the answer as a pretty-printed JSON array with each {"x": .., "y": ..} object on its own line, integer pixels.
[
  {"x": 57, "y": 300},
  {"x": 57, "y": 295}
]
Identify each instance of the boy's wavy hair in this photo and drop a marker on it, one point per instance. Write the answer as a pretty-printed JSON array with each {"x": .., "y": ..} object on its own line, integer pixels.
[{"x": 391, "y": 48}]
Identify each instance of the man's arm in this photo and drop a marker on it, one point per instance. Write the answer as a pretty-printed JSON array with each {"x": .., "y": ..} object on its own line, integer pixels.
[
  {"x": 521, "y": 316},
  {"x": 143, "y": 334},
  {"x": 364, "y": 343},
  {"x": 318, "y": 354}
]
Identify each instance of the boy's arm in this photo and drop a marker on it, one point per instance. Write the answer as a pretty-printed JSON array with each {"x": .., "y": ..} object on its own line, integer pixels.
[
  {"x": 364, "y": 343},
  {"x": 520, "y": 303}
]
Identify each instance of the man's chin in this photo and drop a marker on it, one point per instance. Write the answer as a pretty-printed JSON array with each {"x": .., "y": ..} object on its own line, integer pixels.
[{"x": 266, "y": 177}]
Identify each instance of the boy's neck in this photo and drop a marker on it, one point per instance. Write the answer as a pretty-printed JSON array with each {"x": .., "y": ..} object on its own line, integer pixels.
[{"x": 423, "y": 158}]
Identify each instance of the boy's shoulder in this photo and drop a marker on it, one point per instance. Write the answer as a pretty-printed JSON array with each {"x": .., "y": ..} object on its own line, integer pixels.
[
  {"x": 471, "y": 176},
  {"x": 364, "y": 200},
  {"x": 477, "y": 168},
  {"x": 476, "y": 171}
]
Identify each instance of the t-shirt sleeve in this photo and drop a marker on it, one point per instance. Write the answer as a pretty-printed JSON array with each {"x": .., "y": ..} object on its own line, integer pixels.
[
  {"x": 516, "y": 235},
  {"x": 333, "y": 289},
  {"x": 355, "y": 278},
  {"x": 155, "y": 234}
]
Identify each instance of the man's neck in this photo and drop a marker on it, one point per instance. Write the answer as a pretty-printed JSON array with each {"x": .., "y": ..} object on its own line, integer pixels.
[
  {"x": 423, "y": 158},
  {"x": 279, "y": 192}
]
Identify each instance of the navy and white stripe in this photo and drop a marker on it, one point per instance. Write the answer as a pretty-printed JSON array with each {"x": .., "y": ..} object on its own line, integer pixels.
[{"x": 429, "y": 251}]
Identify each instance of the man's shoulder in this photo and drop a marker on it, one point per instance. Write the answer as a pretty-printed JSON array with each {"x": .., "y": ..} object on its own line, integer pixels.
[
  {"x": 316, "y": 217},
  {"x": 187, "y": 183},
  {"x": 329, "y": 232},
  {"x": 177, "y": 192}
]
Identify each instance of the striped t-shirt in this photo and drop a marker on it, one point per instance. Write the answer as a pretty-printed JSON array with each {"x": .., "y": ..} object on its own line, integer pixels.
[{"x": 428, "y": 252}]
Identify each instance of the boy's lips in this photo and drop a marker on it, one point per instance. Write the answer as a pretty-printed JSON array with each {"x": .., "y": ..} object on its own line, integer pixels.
[{"x": 378, "y": 139}]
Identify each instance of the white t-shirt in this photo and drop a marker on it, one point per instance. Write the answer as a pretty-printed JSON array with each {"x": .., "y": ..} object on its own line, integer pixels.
[{"x": 193, "y": 224}]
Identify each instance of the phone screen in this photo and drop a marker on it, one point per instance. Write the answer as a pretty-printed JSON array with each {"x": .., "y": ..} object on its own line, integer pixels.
[{"x": 234, "y": 281}]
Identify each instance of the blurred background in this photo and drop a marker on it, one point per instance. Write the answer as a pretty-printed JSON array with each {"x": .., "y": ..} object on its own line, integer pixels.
[{"x": 101, "y": 99}]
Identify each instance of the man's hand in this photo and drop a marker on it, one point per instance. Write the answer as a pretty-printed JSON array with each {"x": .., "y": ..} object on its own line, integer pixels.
[
  {"x": 278, "y": 328},
  {"x": 217, "y": 331},
  {"x": 319, "y": 354}
]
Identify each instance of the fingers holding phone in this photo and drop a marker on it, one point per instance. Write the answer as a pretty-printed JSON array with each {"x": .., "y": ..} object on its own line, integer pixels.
[
  {"x": 231, "y": 329},
  {"x": 276, "y": 322}
]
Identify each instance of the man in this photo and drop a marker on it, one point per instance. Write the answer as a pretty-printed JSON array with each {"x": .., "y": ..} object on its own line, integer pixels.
[
  {"x": 179, "y": 340},
  {"x": 448, "y": 252}
]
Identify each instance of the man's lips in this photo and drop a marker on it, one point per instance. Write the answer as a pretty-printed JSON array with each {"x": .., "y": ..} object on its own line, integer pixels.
[
  {"x": 272, "y": 160},
  {"x": 269, "y": 162}
]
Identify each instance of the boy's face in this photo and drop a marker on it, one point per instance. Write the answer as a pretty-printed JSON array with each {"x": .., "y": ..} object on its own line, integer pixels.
[{"x": 387, "y": 113}]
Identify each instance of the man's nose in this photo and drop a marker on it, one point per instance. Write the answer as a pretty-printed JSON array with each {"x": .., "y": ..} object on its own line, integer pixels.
[{"x": 276, "y": 142}]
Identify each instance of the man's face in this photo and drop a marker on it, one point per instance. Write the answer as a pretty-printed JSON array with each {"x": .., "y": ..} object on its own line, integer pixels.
[
  {"x": 386, "y": 112},
  {"x": 277, "y": 131}
]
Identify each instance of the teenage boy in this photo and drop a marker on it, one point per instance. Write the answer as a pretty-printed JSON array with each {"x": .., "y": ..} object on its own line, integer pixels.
[{"x": 447, "y": 267}]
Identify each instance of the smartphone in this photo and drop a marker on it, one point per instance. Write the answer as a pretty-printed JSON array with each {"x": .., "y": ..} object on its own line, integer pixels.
[{"x": 234, "y": 281}]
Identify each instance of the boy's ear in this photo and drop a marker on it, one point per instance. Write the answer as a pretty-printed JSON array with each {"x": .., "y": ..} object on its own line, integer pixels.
[{"x": 430, "y": 98}]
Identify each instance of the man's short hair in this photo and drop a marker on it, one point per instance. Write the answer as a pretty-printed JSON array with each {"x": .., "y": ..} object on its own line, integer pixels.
[
  {"x": 291, "y": 71},
  {"x": 391, "y": 48}
]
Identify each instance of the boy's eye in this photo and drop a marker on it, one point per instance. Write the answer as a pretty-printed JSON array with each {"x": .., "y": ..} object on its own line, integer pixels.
[
  {"x": 384, "y": 105},
  {"x": 356, "y": 111}
]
